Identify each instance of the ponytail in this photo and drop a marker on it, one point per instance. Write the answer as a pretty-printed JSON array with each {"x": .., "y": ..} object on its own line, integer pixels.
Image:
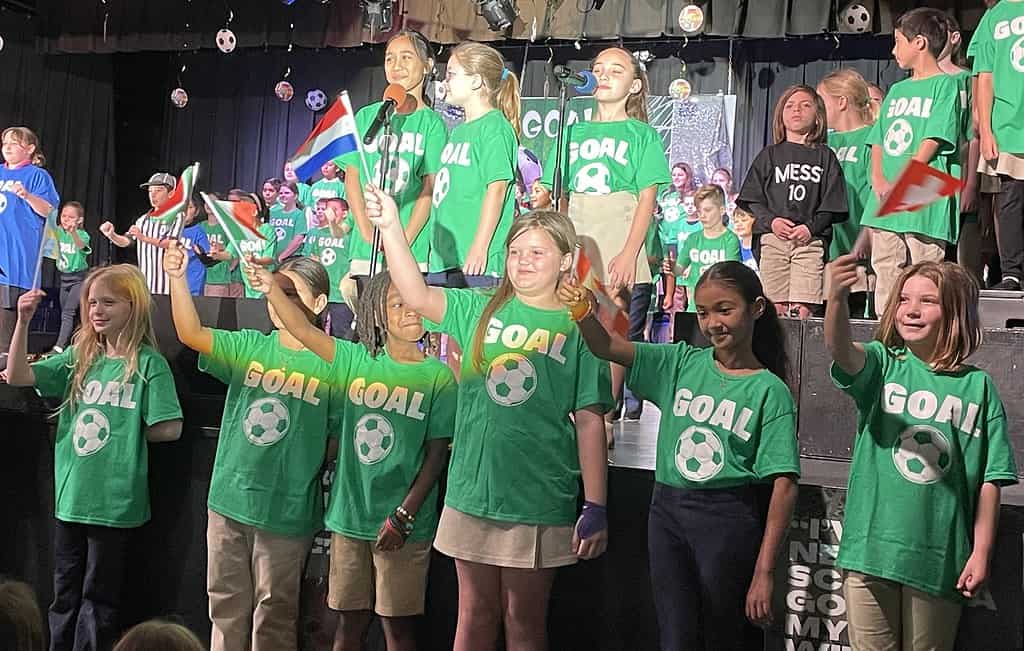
[
  {"x": 508, "y": 99},
  {"x": 27, "y": 138},
  {"x": 502, "y": 84}
]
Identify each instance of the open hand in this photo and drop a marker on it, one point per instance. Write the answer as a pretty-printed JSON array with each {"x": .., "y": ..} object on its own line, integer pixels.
[
  {"x": 622, "y": 271},
  {"x": 759, "y": 599}
]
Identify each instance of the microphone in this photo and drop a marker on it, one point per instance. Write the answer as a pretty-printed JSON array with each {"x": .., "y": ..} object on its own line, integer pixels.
[
  {"x": 582, "y": 82},
  {"x": 394, "y": 97}
]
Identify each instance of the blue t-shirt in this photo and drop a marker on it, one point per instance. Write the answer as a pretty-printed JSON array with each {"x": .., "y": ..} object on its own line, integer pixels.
[
  {"x": 195, "y": 271},
  {"x": 21, "y": 229}
]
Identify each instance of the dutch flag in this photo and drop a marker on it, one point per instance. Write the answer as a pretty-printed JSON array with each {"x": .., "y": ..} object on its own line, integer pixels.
[{"x": 335, "y": 135}]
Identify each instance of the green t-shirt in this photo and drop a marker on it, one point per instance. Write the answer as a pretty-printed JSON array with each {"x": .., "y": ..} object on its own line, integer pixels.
[
  {"x": 854, "y": 154},
  {"x": 655, "y": 250},
  {"x": 390, "y": 411},
  {"x": 287, "y": 224},
  {"x": 998, "y": 48},
  {"x": 673, "y": 216},
  {"x": 915, "y": 110},
  {"x": 273, "y": 435},
  {"x": 699, "y": 251},
  {"x": 220, "y": 273},
  {"x": 70, "y": 258},
  {"x": 926, "y": 441},
  {"x": 478, "y": 153},
  {"x": 514, "y": 457},
  {"x": 415, "y": 153},
  {"x": 324, "y": 189},
  {"x": 265, "y": 249},
  {"x": 717, "y": 430},
  {"x": 605, "y": 157},
  {"x": 332, "y": 252},
  {"x": 101, "y": 457},
  {"x": 305, "y": 195}
]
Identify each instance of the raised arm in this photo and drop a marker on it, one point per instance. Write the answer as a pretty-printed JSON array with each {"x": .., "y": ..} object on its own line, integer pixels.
[
  {"x": 19, "y": 371},
  {"x": 292, "y": 318},
  {"x": 838, "y": 336},
  {"x": 191, "y": 331},
  {"x": 583, "y": 306},
  {"x": 122, "y": 241},
  {"x": 405, "y": 272}
]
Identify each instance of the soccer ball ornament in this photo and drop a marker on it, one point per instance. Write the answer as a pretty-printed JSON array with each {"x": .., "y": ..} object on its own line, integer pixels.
[
  {"x": 374, "y": 439},
  {"x": 179, "y": 98},
  {"x": 855, "y": 19},
  {"x": 593, "y": 179},
  {"x": 284, "y": 91},
  {"x": 266, "y": 421},
  {"x": 679, "y": 89},
  {"x": 226, "y": 41},
  {"x": 511, "y": 379},
  {"x": 699, "y": 454},
  {"x": 91, "y": 433},
  {"x": 922, "y": 454},
  {"x": 899, "y": 137},
  {"x": 316, "y": 100},
  {"x": 691, "y": 18}
]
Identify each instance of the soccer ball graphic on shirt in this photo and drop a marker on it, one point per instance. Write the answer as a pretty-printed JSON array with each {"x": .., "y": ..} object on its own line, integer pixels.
[
  {"x": 511, "y": 379},
  {"x": 328, "y": 257},
  {"x": 699, "y": 454},
  {"x": 398, "y": 176},
  {"x": 374, "y": 439},
  {"x": 91, "y": 433},
  {"x": 3, "y": 202},
  {"x": 899, "y": 137},
  {"x": 1017, "y": 55},
  {"x": 266, "y": 421},
  {"x": 593, "y": 179},
  {"x": 922, "y": 454},
  {"x": 442, "y": 183}
]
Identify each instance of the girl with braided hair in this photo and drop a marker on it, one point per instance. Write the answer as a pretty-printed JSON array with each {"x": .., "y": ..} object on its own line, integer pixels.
[{"x": 398, "y": 407}]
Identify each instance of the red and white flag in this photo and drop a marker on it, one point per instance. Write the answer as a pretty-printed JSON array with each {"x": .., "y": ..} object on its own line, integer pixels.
[
  {"x": 179, "y": 197},
  {"x": 918, "y": 186},
  {"x": 610, "y": 314}
]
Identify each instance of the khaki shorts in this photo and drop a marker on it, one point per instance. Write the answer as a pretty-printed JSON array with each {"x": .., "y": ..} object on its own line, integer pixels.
[
  {"x": 1011, "y": 165},
  {"x": 885, "y": 615},
  {"x": 865, "y": 281},
  {"x": 791, "y": 273},
  {"x": 602, "y": 222},
  {"x": 504, "y": 544},
  {"x": 392, "y": 584}
]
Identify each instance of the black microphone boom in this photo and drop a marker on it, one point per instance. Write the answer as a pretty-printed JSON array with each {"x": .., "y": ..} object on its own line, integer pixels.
[
  {"x": 566, "y": 75},
  {"x": 384, "y": 114}
]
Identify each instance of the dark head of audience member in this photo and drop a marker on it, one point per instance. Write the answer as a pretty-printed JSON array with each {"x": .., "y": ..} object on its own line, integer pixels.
[
  {"x": 159, "y": 635},
  {"x": 21, "y": 622}
]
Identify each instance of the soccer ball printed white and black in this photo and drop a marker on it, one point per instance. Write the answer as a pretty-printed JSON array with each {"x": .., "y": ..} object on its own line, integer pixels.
[
  {"x": 266, "y": 421},
  {"x": 398, "y": 176},
  {"x": 511, "y": 379},
  {"x": 226, "y": 41},
  {"x": 593, "y": 179},
  {"x": 1017, "y": 55},
  {"x": 328, "y": 257},
  {"x": 442, "y": 183},
  {"x": 855, "y": 18},
  {"x": 899, "y": 137},
  {"x": 922, "y": 454},
  {"x": 279, "y": 233},
  {"x": 374, "y": 439},
  {"x": 699, "y": 454},
  {"x": 316, "y": 100},
  {"x": 91, "y": 432}
]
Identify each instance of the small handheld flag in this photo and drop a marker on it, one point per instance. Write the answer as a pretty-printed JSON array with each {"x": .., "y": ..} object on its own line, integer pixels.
[
  {"x": 918, "y": 186},
  {"x": 610, "y": 314},
  {"x": 178, "y": 199},
  {"x": 239, "y": 219},
  {"x": 335, "y": 135},
  {"x": 48, "y": 247}
]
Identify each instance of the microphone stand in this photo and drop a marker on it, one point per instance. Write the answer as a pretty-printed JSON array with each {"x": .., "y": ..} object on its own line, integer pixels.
[
  {"x": 385, "y": 168},
  {"x": 563, "y": 101}
]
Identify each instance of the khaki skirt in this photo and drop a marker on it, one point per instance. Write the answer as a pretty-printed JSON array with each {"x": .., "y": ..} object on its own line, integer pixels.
[
  {"x": 503, "y": 544},
  {"x": 602, "y": 223}
]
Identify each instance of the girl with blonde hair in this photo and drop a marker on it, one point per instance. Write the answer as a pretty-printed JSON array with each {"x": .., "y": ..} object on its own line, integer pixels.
[{"x": 118, "y": 394}]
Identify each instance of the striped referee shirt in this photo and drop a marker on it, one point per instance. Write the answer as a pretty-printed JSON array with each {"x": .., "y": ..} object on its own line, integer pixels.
[{"x": 151, "y": 258}]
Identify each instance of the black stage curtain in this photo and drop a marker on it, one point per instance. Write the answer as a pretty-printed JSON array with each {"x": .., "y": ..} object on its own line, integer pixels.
[
  {"x": 68, "y": 102},
  {"x": 130, "y": 26},
  {"x": 241, "y": 133}
]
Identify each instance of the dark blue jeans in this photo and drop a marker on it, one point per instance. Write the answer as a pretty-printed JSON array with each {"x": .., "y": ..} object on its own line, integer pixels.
[
  {"x": 88, "y": 583},
  {"x": 340, "y": 319},
  {"x": 639, "y": 306},
  {"x": 702, "y": 546}
]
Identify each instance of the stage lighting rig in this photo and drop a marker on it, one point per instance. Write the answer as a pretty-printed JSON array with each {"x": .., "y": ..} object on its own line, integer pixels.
[
  {"x": 499, "y": 14},
  {"x": 378, "y": 15}
]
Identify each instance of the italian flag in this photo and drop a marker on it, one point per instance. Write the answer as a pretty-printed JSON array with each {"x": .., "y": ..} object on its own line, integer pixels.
[
  {"x": 178, "y": 200},
  {"x": 239, "y": 219}
]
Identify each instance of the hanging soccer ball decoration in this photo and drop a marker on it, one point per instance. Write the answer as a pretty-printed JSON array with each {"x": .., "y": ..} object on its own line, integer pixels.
[
  {"x": 856, "y": 19},
  {"x": 284, "y": 91},
  {"x": 226, "y": 41},
  {"x": 1, "y": 42},
  {"x": 316, "y": 100},
  {"x": 679, "y": 89},
  {"x": 691, "y": 18},
  {"x": 179, "y": 98}
]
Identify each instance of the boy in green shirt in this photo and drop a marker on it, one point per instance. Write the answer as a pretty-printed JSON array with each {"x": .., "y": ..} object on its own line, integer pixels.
[
  {"x": 329, "y": 245},
  {"x": 714, "y": 243},
  {"x": 921, "y": 118},
  {"x": 72, "y": 263}
]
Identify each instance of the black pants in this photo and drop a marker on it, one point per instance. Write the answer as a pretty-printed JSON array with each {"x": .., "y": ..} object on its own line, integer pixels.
[
  {"x": 88, "y": 582},
  {"x": 1010, "y": 234},
  {"x": 703, "y": 545},
  {"x": 70, "y": 295},
  {"x": 639, "y": 306},
  {"x": 339, "y": 318}
]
